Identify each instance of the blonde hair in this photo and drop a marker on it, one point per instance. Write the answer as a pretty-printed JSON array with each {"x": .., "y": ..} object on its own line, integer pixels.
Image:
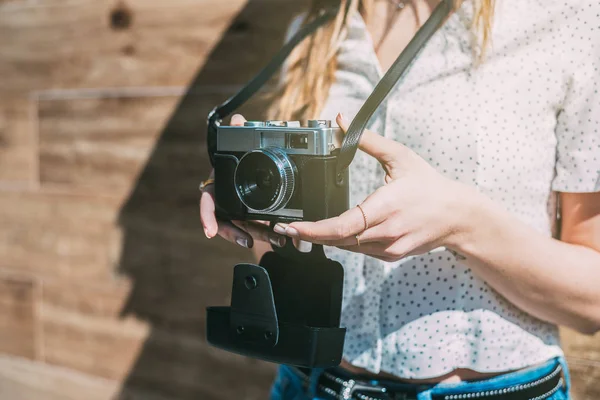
[{"x": 310, "y": 72}]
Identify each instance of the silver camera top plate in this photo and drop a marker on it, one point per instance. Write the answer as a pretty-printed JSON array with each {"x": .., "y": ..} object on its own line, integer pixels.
[{"x": 318, "y": 138}]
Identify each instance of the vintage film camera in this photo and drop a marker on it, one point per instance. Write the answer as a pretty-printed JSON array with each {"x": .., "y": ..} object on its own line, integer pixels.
[
  {"x": 287, "y": 308},
  {"x": 279, "y": 171}
]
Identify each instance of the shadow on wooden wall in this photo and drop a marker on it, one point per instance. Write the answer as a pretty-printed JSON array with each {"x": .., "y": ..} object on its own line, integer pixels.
[
  {"x": 93, "y": 124},
  {"x": 175, "y": 272}
]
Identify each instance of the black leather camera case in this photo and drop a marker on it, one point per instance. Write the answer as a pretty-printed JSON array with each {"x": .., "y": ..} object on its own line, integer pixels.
[{"x": 285, "y": 310}]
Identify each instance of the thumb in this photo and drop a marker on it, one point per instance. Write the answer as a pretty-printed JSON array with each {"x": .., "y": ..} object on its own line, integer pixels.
[
  {"x": 383, "y": 149},
  {"x": 237, "y": 120}
]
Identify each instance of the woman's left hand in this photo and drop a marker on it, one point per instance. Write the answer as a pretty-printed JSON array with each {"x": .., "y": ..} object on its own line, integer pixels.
[{"x": 416, "y": 211}]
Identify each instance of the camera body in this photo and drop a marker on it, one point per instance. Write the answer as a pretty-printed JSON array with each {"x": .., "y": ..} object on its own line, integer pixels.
[{"x": 279, "y": 171}]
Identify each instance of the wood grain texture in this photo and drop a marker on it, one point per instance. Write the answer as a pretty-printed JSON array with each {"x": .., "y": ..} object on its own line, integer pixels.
[
  {"x": 182, "y": 366},
  {"x": 21, "y": 379},
  {"x": 168, "y": 357},
  {"x": 113, "y": 233},
  {"x": 83, "y": 328},
  {"x": 173, "y": 281},
  {"x": 78, "y": 238},
  {"x": 581, "y": 346},
  {"x": 19, "y": 300},
  {"x": 583, "y": 354},
  {"x": 101, "y": 43},
  {"x": 107, "y": 43},
  {"x": 17, "y": 144},
  {"x": 54, "y": 234},
  {"x": 149, "y": 152},
  {"x": 100, "y": 144},
  {"x": 585, "y": 376}
]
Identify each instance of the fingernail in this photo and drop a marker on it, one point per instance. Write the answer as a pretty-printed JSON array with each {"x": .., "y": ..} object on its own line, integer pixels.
[
  {"x": 242, "y": 242},
  {"x": 278, "y": 241},
  {"x": 206, "y": 233},
  {"x": 341, "y": 116},
  {"x": 280, "y": 228},
  {"x": 293, "y": 232},
  {"x": 304, "y": 247}
]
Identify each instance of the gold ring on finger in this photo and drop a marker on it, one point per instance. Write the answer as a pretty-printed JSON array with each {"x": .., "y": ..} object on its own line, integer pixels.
[
  {"x": 364, "y": 217},
  {"x": 205, "y": 183}
]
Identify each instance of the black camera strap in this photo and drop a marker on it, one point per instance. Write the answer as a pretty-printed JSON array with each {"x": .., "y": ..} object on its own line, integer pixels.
[
  {"x": 385, "y": 85},
  {"x": 237, "y": 100}
]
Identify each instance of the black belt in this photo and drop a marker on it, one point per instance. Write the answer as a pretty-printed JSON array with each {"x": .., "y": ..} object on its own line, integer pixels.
[{"x": 333, "y": 386}]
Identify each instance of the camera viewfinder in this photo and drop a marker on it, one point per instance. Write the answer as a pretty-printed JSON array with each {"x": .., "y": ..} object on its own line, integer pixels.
[{"x": 297, "y": 140}]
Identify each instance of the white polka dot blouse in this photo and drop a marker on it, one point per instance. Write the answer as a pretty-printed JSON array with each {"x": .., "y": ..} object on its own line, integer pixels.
[{"x": 520, "y": 127}]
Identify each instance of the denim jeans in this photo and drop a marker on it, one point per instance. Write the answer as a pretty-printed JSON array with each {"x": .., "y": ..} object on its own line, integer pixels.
[{"x": 288, "y": 385}]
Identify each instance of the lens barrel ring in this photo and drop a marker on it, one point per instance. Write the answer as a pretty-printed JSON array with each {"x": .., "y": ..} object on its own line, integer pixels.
[{"x": 281, "y": 168}]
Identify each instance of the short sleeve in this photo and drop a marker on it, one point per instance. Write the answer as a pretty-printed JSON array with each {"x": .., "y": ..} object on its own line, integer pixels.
[{"x": 578, "y": 124}]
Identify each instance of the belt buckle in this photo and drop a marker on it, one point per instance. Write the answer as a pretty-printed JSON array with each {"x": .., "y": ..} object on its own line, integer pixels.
[{"x": 351, "y": 386}]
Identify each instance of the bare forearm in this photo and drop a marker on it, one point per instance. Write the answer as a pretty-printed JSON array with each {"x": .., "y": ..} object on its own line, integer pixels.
[{"x": 555, "y": 281}]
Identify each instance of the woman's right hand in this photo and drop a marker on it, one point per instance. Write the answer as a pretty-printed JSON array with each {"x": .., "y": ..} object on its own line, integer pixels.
[{"x": 244, "y": 233}]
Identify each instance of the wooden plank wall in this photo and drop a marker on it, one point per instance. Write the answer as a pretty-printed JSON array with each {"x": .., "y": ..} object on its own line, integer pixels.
[{"x": 104, "y": 270}]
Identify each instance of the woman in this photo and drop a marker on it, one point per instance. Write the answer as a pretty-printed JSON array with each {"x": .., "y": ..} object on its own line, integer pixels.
[{"x": 458, "y": 270}]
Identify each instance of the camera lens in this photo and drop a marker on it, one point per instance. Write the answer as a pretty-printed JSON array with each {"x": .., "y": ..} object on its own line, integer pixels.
[{"x": 264, "y": 179}]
